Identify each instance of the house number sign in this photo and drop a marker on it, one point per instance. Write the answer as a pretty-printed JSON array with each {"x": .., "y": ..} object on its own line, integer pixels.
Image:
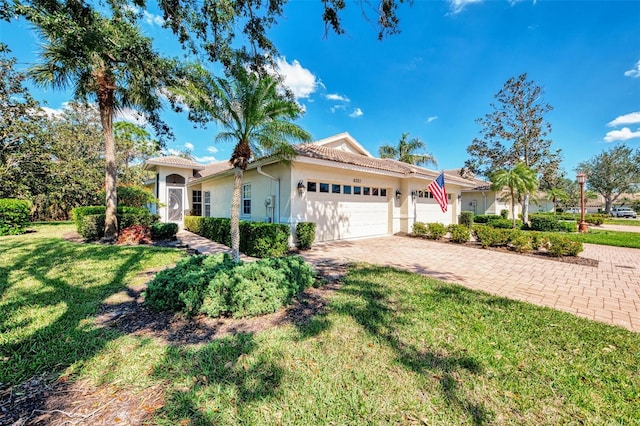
[{"x": 356, "y": 180}]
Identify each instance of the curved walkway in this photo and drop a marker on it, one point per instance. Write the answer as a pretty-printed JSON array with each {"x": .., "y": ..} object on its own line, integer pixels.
[{"x": 608, "y": 293}]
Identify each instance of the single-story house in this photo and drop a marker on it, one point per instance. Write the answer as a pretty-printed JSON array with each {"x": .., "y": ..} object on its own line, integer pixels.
[{"x": 334, "y": 182}]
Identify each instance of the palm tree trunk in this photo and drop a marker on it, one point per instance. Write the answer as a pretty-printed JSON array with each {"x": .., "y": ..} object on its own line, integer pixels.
[
  {"x": 235, "y": 214},
  {"x": 525, "y": 208},
  {"x": 513, "y": 208},
  {"x": 106, "y": 90}
]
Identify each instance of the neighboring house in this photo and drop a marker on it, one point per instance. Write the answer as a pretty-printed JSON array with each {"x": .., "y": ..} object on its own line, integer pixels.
[{"x": 334, "y": 182}]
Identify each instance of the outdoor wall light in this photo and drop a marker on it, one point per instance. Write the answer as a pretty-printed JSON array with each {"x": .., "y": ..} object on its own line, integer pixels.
[
  {"x": 301, "y": 188},
  {"x": 414, "y": 194},
  {"x": 398, "y": 193}
]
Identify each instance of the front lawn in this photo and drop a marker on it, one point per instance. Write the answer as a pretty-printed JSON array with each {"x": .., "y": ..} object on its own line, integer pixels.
[
  {"x": 391, "y": 348},
  {"x": 620, "y": 221},
  {"x": 608, "y": 238}
]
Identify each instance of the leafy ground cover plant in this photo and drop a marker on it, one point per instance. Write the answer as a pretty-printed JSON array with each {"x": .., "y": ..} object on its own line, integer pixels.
[{"x": 136, "y": 234}]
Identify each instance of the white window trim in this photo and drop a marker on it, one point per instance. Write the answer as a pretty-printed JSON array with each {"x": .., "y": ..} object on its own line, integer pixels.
[{"x": 242, "y": 200}]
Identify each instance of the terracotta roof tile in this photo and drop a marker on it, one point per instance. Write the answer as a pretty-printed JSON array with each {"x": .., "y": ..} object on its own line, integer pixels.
[
  {"x": 172, "y": 160},
  {"x": 213, "y": 168}
]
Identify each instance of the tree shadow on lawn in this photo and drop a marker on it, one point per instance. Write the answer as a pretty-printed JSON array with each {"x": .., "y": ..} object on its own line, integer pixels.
[
  {"x": 69, "y": 297},
  {"x": 381, "y": 317}
]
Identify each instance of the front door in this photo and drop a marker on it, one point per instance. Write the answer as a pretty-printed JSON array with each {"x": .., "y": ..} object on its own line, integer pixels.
[{"x": 175, "y": 207}]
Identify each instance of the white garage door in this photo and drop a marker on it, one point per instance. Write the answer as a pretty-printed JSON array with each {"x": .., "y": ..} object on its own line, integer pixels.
[
  {"x": 349, "y": 217},
  {"x": 429, "y": 211}
]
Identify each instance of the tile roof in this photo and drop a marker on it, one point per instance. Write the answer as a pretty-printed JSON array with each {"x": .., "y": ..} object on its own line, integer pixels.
[
  {"x": 213, "y": 168},
  {"x": 172, "y": 160}
]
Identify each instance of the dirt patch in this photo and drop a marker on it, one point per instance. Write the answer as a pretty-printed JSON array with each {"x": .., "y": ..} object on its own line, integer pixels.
[{"x": 44, "y": 400}]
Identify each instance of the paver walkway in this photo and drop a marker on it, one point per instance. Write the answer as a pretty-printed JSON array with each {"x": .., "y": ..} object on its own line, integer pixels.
[{"x": 608, "y": 293}]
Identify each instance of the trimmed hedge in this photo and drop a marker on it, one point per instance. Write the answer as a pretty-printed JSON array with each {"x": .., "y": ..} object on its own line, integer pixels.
[
  {"x": 466, "y": 218},
  {"x": 459, "y": 233},
  {"x": 432, "y": 231},
  {"x": 14, "y": 216},
  {"x": 164, "y": 231},
  {"x": 484, "y": 218},
  {"x": 257, "y": 239},
  {"x": 559, "y": 245},
  {"x": 489, "y": 236},
  {"x": 90, "y": 220},
  {"x": 499, "y": 222},
  {"x": 305, "y": 234},
  {"x": 216, "y": 286}
]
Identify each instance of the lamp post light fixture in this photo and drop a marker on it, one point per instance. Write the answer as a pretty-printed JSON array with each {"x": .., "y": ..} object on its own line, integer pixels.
[{"x": 582, "y": 178}]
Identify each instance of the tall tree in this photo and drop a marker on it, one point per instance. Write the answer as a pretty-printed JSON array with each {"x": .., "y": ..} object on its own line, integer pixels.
[
  {"x": 406, "y": 150},
  {"x": 514, "y": 132},
  {"x": 253, "y": 114},
  {"x": 612, "y": 173},
  {"x": 520, "y": 180},
  {"x": 106, "y": 60}
]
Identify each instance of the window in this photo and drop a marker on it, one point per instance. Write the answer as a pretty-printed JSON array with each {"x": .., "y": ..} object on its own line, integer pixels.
[
  {"x": 383, "y": 192},
  {"x": 375, "y": 192},
  {"x": 366, "y": 191},
  {"x": 196, "y": 204},
  {"x": 324, "y": 187},
  {"x": 335, "y": 189},
  {"x": 311, "y": 187},
  {"x": 346, "y": 189},
  {"x": 207, "y": 203},
  {"x": 357, "y": 190},
  {"x": 246, "y": 199}
]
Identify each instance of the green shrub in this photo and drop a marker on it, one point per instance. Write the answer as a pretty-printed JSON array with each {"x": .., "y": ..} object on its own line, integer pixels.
[
  {"x": 164, "y": 231},
  {"x": 560, "y": 245},
  {"x": 489, "y": 236},
  {"x": 420, "y": 229},
  {"x": 92, "y": 226},
  {"x": 567, "y": 226},
  {"x": 504, "y": 213},
  {"x": 522, "y": 242},
  {"x": 594, "y": 219},
  {"x": 436, "y": 231},
  {"x": 504, "y": 223},
  {"x": 459, "y": 233},
  {"x": 484, "y": 218},
  {"x": 14, "y": 216},
  {"x": 132, "y": 196},
  {"x": 216, "y": 286},
  {"x": 466, "y": 218},
  {"x": 193, "y": 224},
  {"x": 260, "y": 239},
  {"x": 544, "y": 223},
  {"x": 217, "y": 229},
  {"x": 305, "y": 234}
]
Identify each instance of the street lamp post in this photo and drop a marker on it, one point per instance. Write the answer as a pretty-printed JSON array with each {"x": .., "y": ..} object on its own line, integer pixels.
[{"x": 582, "y": 178}]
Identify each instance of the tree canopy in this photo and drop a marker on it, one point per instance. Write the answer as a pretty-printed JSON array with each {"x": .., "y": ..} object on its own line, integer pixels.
[
  {"x": 406, "y": 151},
  {"x": 514, "y": 132},
  {"x": 520, "y": 180},
  {"x": 612, "y": 173}
]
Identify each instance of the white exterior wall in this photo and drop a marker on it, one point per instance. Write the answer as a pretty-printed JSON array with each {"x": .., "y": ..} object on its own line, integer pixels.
[{"x": 163, "y": 189}]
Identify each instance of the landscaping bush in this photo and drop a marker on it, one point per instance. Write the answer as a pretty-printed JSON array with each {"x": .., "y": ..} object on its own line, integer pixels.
[
  {"x": 484, "y": 218},
  {"x": 164, "y": 231},
  {"x": 466, "y": 218},
  {"x": 92, "y": 226},
  {"x": 504, "y": 223},
  {"x": 544, "y": 223},
  {"x": 560, "y": 245},
  {"x": 459, "y": 233},
  {"x": 594, "y": 219},
  {"x": 14, "y": 216},
  {"x": 132, "y": 196},
  {"x": 435, "y": 231},
  {"x": 504, "y": 213},
  {"x": 567, "y": 226},
  {"x": 217, "y": 229},
  {"x": 260, "y": 239},
  {"x": 216, "y": 286},
  {"x": 305, "y": 234},
  {"x": 420, "y": 229},
  {"x": 489, "y": 236},
  {"x": 522, "y": 242},
  {"x": 136, "y": 234},
  {"x": 126, "y": 216},
  {"x": 193, "y": 224}
]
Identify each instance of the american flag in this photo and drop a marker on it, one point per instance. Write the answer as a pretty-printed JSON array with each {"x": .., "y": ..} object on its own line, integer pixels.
[{"x": 439, "y": 192}]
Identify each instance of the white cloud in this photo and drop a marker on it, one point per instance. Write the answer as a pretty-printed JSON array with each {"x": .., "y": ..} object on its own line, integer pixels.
[
  {"x": 152, "y": 19},
  {"x": 631, "y": 118},
  {"x": 53, "y": 113},
  {"x": 172, "y": 151},
  {"x": 633, "y": 72},
  {"x": 621, "y": 135},
  {"x": 189, "y": 146},
  {"x": 132, "y": 116},
  {"x": 300, "y": 80},
  {"x": 337, "y": 108},
  {"x": 206, "y": 159},
  {"x": 432, "y": 118},
  {"x": 356, "y": 113},
  {"x": 337, "y": 97},
  {"x": 458, "y": 5},
  {"x": 212, "y": 149}
]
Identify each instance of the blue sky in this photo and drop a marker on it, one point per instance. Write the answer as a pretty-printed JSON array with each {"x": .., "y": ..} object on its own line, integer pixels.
[{"x": 440, "y": 74}]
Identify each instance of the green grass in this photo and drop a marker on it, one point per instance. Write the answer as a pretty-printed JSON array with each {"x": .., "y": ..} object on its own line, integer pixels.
[
  {"x": 50, "y": 291},
  {"x": 391, "y": 348},
  {"x": 608, "y": 238},
  {"x": 628, "y": 222}
]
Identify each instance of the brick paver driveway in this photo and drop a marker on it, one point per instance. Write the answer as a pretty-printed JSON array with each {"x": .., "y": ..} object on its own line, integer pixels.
[{"x": 609, "y": 293}]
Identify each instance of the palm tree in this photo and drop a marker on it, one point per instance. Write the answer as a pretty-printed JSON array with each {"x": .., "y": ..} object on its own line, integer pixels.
[
  {"x": 254, "y": 114},
  {"x": 557, "y": 196},
  {"x": 405, "y": 152},
  {"x": 520, "y": 180},
  {"x": 106, "y": 61}
]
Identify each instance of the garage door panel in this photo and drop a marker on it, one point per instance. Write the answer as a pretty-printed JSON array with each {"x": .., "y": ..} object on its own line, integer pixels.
[
  {"x": 431, "y": 212},
  {"x": 346, "y": 219}
]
